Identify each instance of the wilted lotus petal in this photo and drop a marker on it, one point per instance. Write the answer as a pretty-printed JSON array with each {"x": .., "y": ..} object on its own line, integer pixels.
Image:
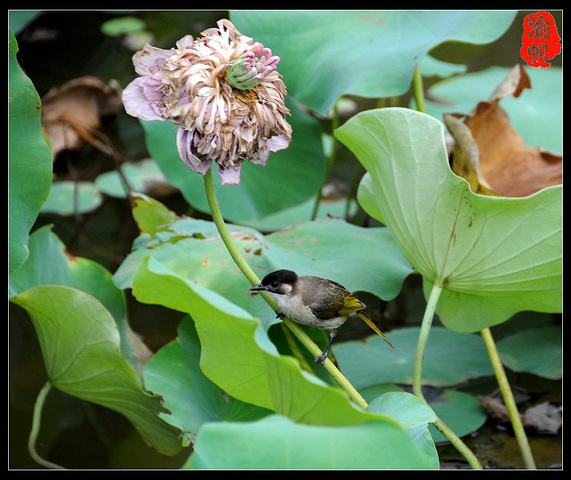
[{"x": 224, "y": 93}]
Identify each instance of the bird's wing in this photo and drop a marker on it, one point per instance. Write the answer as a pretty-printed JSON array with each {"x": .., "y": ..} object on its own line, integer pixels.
[
  {"x": 331, "y": 300},
  {"x": 351, "y": 304}
]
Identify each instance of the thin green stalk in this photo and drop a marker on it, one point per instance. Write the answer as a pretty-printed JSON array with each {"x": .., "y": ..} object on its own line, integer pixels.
[
  {"x": 294, "y": 347},
  {"x": 330, "y": 161},
  {"x": 224, "y": 232},
  {"x": 254, "y": 280},
  {"x": 418, "y": 89},
  {"x": 36, "y": 422},
  {"x": 509, "y": 401},
  {"x": 417, "y": 376},
  {"x": 352, "y": 190},
  {"x": 423, "y": 340},
  {"x": 458, "y": 444}
]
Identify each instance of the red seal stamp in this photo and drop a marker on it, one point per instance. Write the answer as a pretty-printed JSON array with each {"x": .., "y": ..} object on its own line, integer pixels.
[{"x": 540, "y": 39}]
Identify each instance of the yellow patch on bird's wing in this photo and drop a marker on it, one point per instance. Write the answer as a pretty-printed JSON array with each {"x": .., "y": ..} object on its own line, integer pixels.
[{"x": 350, "y": 305}]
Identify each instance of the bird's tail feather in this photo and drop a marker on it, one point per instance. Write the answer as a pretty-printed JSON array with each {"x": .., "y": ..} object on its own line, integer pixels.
[{"x": 370, "y": 323}]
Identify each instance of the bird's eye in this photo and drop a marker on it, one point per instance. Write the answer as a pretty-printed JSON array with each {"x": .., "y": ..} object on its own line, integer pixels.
[{"x": 274, "y": 283}]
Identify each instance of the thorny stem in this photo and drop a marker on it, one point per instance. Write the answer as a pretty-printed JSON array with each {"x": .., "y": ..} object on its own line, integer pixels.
[
  {"x": 417, "y": 376},
  {"x": 36, "y": 421},
  {"x": 254, "y": 280},
  {"x": 509, "y": 401}
]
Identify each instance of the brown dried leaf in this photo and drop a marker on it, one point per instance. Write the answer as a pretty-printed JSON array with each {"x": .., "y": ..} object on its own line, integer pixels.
[
  {"x": 494, "y": 407},
  {"x": 543, "y": 417},
  {"x": 514, "y": 83},
  {"x": 71, "y": 113},
  {"x": 505, "y": 165},
  {"x": 466, "y": 156},
  {"x": 510, "y": 167}
]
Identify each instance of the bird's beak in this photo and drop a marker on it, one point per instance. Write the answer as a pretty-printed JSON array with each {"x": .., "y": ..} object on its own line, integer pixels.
[{"x": 257, "y": 288}]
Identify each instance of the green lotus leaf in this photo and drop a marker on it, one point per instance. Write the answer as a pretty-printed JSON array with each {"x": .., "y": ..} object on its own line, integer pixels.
[
  {"x": 493, "y": 256},
  {"x": 143, "y": 176},
  {"x": 238, "y": 356},
  {"x": 325, "y": 54},
  {"x": 81, "y": 348},
  {"x": 50, "y": 264},
  {"x": 413, "y": 413},
  {"x": 369, "y": 363},
  {"x": 190, "y": 396},
  {"x": 460, "y": 411},
  {"x": 29, "y": 158},
  {"x": 193, "y": 249},
  {"x": 278, "y": 443},
  {"x": 537, "y": 350},
  {"x": 69, "y": 198}
]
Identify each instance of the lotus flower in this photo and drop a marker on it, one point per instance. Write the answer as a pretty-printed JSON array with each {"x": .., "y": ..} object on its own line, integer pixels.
[{"x": 222, "y": 91}]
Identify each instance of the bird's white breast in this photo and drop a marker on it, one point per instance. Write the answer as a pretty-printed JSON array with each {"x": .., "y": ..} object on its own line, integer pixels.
[{"x": 294, "y": 309}]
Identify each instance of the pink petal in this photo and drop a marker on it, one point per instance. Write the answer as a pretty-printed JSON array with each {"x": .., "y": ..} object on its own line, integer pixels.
[
  {"x": 151, "y": 89},
  {"x": 184, "y": 147},
  {"x": 230, "y": 175},
  {"x": 278, "y": 143},
  {"x": 137, "y": 104},
  {"x": 145, "y": 61},
  {"x": 261, "y": 158},
  {"x": 186, "y": 41}
]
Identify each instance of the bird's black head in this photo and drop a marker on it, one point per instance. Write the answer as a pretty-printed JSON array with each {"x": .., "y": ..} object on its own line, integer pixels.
[{"x": 279, "y": 282}]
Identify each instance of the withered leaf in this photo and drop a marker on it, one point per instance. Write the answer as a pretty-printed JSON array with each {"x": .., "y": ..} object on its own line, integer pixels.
[
  {"x": 543, "y": 417},
  {"x": 514, "y": 83},
  {"x": 466, "y": 156},
  {"x": 505, "y": 165},
  {"x": 71, "y": 113}
]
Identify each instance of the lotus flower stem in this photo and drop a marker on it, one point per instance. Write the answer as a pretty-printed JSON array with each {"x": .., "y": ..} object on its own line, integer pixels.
[
  {"x": 36, "y": 421},
  {"x": 254, "y": 280},
  {"x": 509, "y": 401},
  {"x": 418, "y": 89},
  {"x": 417, "y": 376},
  {"x": 330, "y": 162}
]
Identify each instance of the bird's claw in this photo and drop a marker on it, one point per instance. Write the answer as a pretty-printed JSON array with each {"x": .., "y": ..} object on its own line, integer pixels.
[{"x": 321, "y": 359}]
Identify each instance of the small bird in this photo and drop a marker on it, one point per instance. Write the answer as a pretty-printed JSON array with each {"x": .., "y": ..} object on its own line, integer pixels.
[{"x": 314, "y": 301}]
